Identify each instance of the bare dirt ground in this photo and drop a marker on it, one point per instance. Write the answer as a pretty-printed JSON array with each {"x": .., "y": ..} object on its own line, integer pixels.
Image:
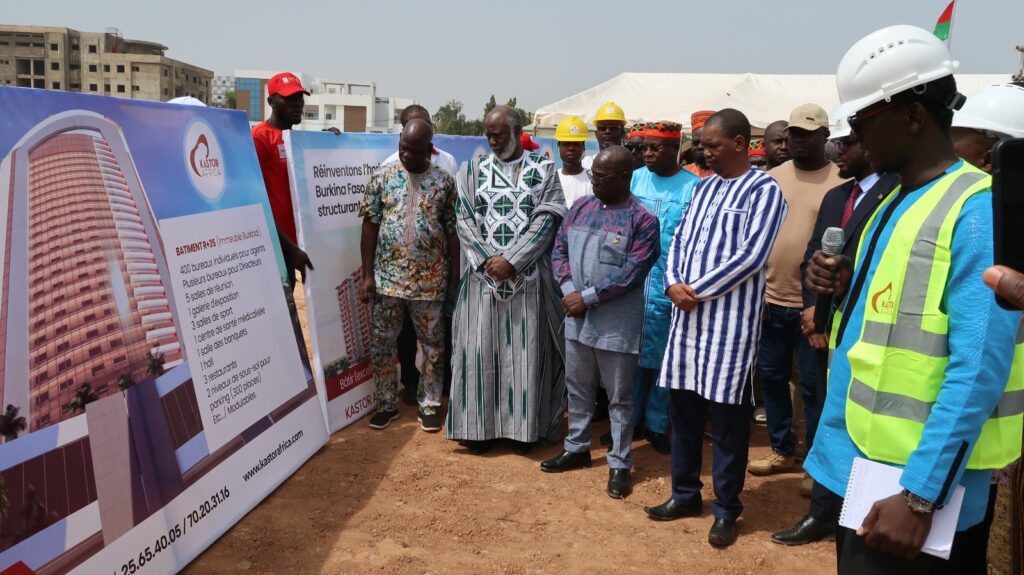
[
  {"x": 406, "y": 502},
  {"x": 403, "y": 501}
]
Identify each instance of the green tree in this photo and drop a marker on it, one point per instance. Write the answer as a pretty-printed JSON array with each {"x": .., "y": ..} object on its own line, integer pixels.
[
  {"x": 490, "y": 105},
  {"x": 449, "y": 118},
  {"x": 231, "y": 100},
  {"x": 512, "y": 102},
  {"x": 11, "y": 424},
  {"x": 84, "y": 396},
  {"x": 155, "y": 365},
  {"x": 124, "y": 381}
]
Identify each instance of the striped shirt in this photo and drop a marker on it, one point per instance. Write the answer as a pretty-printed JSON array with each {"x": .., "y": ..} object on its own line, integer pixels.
[{"x": 720, "y": 249}]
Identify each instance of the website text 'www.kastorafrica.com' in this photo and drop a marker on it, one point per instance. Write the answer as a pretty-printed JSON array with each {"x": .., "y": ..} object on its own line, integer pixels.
[{"x": 271, "y": 456}]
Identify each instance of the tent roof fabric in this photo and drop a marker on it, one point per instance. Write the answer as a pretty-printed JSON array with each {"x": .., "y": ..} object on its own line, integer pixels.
[{"x": 764, "y": 98}]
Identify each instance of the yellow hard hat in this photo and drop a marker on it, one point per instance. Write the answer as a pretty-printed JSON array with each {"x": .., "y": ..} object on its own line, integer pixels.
[
  {"x": 610, "y": 111},
  {"x": 571, "y": 129}
]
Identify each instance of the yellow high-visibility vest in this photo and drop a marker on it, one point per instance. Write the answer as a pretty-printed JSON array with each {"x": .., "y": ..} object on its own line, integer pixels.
[{"x": 898, "y": 365}]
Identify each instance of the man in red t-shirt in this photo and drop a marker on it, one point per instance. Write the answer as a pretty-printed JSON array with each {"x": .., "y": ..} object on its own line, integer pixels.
[{"x": 287, "y": 100}]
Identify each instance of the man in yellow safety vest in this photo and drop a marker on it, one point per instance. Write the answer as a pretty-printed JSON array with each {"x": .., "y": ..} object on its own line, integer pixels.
[{"x": 920, "y": 373}]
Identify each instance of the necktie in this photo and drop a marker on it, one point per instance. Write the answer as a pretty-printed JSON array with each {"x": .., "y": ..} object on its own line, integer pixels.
[{"x": 850, "y": 204}]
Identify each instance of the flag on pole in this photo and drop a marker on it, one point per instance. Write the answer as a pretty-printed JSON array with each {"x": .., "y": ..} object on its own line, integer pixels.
[{"x": 944, "y": 23}]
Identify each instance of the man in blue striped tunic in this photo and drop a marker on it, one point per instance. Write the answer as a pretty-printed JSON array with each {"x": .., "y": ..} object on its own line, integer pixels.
[{"x": 715, "y": 277}]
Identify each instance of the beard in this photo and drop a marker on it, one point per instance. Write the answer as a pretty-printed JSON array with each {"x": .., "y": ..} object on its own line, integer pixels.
[{"x": 508, "y": 151}]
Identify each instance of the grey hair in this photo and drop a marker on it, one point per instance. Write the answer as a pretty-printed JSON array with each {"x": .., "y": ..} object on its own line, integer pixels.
[{"x": 512, "y": 117}]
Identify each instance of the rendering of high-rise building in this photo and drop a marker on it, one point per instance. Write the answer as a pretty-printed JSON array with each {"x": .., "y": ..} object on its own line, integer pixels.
[
  {"x": 355, "y": 319},
  {"x": 85, "y": 298}
]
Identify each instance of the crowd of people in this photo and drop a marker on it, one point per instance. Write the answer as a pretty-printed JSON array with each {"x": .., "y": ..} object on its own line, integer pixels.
[{"x": 670, "y": 282}]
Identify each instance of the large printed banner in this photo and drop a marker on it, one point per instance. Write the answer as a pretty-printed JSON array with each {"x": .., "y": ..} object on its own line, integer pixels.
[
  {"x": 152, "y": 382},
  {"x": 329, "y": 174}
]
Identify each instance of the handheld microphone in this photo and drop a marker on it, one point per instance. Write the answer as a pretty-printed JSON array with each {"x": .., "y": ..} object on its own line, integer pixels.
[{"x": 832, "y": 242}]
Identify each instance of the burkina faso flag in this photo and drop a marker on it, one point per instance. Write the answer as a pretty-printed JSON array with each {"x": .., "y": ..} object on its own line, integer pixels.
[{"x": 944, "y": 22}]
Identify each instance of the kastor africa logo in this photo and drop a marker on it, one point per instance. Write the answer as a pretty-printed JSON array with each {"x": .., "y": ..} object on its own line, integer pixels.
[
  {"x": 204, "y": 160},
  {"x": 883, "y": 300}
]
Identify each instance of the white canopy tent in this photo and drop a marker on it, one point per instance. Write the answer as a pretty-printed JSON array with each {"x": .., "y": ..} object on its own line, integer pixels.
[{"x": 764, "y": 98}]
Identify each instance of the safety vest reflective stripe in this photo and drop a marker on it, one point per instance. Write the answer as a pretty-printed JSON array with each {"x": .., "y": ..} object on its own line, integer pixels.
[
  {"x": 1012, "y": 403},
  {"x": 906, "y": 407},
  {"x": 887, "y": 403},
  {"x": 908, "y": 332}
]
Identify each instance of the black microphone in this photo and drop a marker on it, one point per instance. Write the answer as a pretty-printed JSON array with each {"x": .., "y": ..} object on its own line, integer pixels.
[{"x": 831, "y": 245}]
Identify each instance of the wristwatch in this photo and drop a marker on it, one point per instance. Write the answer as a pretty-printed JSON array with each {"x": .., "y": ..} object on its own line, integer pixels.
[{"x": 917, "y": 503}]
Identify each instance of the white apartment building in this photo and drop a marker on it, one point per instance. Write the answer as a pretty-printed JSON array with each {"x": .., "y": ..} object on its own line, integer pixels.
[
  {"x": 219, "y": 89},
  {"x": 348, "y": 106}
]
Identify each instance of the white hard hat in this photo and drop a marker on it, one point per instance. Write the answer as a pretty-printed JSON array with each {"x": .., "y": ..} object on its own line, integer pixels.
[
  {"x": 887, "y": 62},
  {"x": 999, "y": 108},
  {"x": 838, "y": 127}
]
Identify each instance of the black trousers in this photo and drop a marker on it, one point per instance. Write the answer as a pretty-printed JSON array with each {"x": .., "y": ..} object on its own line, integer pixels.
[
  {"x": 293, "y": 314},
  {"x": 823, "y": 506},
  {"x": 968, "y": 557},
  {"x": 730, "y": 440}
]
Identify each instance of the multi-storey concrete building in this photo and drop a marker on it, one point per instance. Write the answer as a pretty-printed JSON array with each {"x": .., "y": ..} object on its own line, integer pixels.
[
  {"x": 221, "y": 87},
  {"x": 102, "y": 63},
  {"x": 348, "y": 106}
]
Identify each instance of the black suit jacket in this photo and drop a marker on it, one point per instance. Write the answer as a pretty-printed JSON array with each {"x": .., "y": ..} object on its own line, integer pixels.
[{"x": 830, "y": 215}]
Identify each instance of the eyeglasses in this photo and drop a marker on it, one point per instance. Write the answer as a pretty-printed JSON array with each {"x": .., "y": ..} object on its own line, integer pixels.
[
  {"x": 844, "y": 143},
  {"x": 599, "y": 178},
  {"x": 859, "y": 120}
]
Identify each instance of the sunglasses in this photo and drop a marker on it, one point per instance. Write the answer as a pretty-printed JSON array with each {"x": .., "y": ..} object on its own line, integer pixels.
[
  {"x": 844, "y": 143},
  {"x": 861, "y": 119}
]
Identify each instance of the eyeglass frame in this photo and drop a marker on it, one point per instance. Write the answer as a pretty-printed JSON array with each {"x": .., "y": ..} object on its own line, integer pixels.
[
  {"x": 859, "y": 117},
  {"x": 594, "y": 178}
]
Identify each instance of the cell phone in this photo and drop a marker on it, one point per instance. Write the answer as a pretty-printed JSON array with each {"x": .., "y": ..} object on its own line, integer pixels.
[{"x": 1008, "y": 206}]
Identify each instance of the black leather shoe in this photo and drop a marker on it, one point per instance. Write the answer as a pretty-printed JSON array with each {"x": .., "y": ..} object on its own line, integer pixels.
[
  {"x": 807, "y": 530},
  {"x": 723, "y": 533},
  {"x": 618, "y": 483},
  {"x": 521, "y": 448},
  {"x": 672, "y": 510},
  {"x": 566, "y": 461},
  {"x": 476, "y": 447},
  {"x": 660, "y": 442}
]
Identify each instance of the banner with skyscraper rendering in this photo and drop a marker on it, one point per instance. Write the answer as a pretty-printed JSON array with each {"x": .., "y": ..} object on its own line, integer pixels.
[
  {"x": 328, "y": 175},
  {"x": 152, "y": 385}
]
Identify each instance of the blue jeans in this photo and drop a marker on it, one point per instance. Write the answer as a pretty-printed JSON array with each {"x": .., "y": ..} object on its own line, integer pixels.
[{"x": 780, "y": 338}]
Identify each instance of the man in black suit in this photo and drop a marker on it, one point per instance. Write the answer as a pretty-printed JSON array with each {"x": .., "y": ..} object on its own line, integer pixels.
[{"x": 848, "y": 206}]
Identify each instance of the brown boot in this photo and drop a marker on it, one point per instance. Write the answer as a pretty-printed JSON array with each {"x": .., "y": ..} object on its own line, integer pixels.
[{"x": 771, "y": 464}]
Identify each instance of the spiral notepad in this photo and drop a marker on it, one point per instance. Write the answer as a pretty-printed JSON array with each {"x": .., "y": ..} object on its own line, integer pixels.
[{"x": 871, "y": 481}]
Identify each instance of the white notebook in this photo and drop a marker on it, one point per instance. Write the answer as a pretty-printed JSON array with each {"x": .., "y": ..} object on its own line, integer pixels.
[{"x": 871, "y": 481}]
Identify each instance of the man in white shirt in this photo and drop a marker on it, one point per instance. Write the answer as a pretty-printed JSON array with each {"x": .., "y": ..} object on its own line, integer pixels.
[
  {"x": 571, "y": 133},
  {"x": 441, "y": 158}
]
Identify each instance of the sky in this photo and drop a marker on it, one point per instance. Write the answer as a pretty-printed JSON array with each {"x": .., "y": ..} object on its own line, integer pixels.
[{"x": 538, "y": 51}]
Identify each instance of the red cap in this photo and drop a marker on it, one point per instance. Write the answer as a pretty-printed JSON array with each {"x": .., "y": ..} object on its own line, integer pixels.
[
  {"x": 285, "y": 84},
  {"x": 528, "y": 143}
]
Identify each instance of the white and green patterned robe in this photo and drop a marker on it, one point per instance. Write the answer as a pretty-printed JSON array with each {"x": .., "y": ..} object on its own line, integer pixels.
[{"x": 508, "y": 374}]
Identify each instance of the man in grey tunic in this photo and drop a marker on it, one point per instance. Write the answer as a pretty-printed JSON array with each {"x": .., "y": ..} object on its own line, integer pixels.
[
  {"x": 603, "y": 252},
  {"x": 508, "y": 377}
]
